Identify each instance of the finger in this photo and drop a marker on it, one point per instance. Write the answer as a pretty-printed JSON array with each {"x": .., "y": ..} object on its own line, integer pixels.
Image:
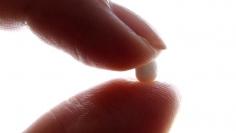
[
  {"x": 88, "y": 30},
  {"x": 12, "y": 9},
  {"x": 115, "y": 107},
  {"x": 138, "y": 25},
  {"x": 12, "y": 13}
]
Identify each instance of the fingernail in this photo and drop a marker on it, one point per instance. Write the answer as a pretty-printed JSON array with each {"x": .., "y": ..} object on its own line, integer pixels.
[
  {"x": 156, "y": 47},
  {"x": 157, "y": 42},
  {"x": 139, "y": 26}
]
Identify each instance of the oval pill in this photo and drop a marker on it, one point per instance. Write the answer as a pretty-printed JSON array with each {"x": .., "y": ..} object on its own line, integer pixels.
[{"x": 147, "y": 72}]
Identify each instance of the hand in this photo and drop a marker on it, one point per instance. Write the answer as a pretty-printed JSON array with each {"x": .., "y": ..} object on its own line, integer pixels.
[{"x": 104, "y": 35}]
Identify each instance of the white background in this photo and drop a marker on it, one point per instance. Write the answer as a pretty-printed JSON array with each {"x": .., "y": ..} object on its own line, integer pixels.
[{"x": 200, "y": 62}]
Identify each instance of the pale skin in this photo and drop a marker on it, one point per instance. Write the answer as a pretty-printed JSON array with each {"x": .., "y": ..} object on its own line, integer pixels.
[{"x": 105, "y": 35}]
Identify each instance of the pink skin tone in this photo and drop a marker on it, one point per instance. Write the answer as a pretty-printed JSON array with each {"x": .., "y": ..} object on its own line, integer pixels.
[{"x": 103, "y": 35}]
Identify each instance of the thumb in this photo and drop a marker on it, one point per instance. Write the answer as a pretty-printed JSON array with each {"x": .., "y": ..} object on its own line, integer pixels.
[{"x": 115, "y": 107}]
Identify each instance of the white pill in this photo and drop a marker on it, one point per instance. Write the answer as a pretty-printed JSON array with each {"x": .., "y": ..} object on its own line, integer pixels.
[{"x": 147, "y": 72}]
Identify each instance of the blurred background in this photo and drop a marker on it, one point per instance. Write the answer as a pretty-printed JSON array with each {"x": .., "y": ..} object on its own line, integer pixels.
[{"x": 200, "y": 62}]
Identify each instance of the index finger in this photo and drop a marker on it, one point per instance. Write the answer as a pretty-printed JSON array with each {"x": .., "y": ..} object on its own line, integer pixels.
[{"x": 87, "y": 29}]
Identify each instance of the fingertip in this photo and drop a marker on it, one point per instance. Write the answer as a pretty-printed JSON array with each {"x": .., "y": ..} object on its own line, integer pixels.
[
  {"x": 152, "y": 106},
  {"x": 138, "y": 25},
  {"x": 118, "y": 106},
  {"x": 91, "y": 33},
  {"x": 94, "y": 32},
  {"x": 12, "y": 14}
]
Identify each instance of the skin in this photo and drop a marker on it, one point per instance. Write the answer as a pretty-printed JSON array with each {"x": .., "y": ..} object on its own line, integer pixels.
[
  {"x": 103, "y": 35},
  {"x": 117, "y": 106}
]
